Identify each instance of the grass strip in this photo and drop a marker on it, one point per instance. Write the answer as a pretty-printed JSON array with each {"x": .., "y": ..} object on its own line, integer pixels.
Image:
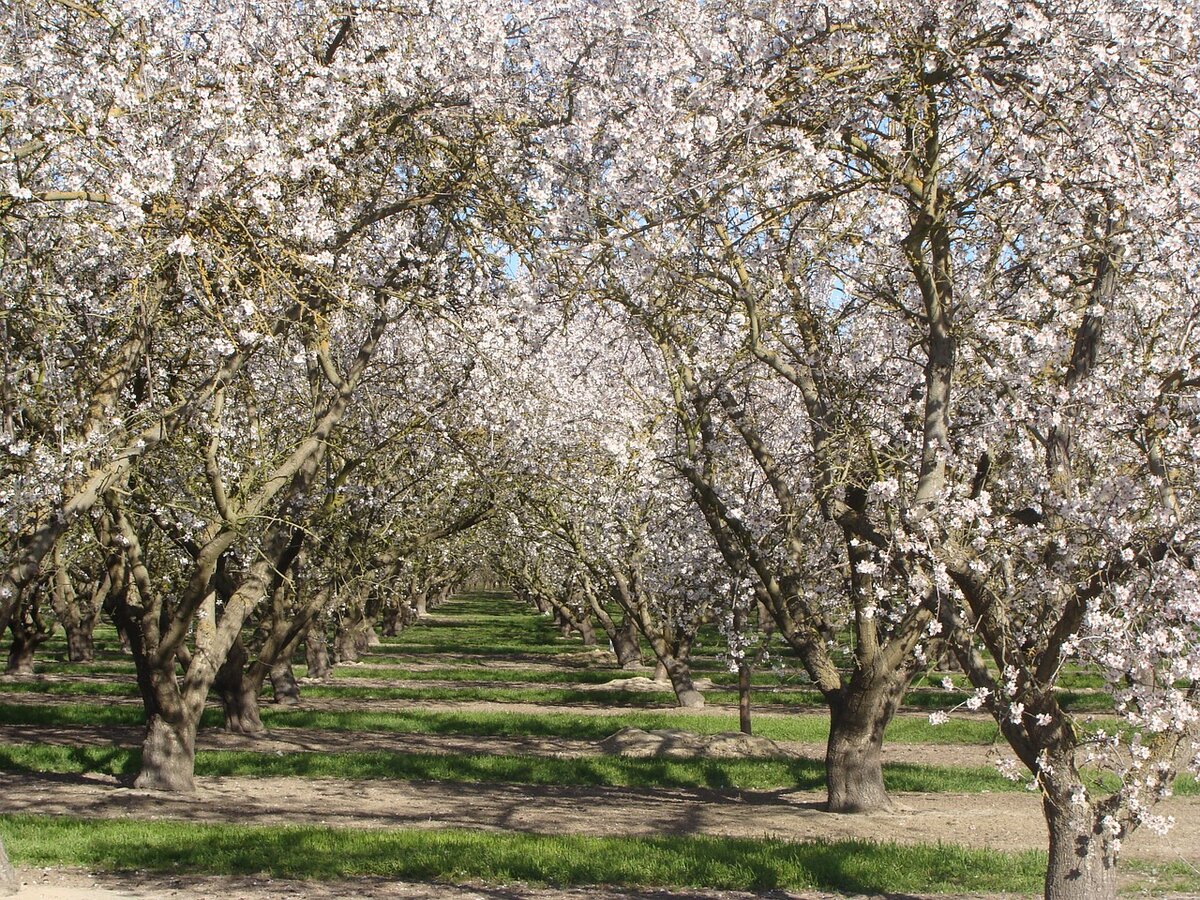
[
  {"x": 809, "y": 728},
  {"x": 71, "y": 688},
  {"x": 616, "y": 697},
  {"x": 453, "y": 855},
  {"x": 598, "y": 771}
]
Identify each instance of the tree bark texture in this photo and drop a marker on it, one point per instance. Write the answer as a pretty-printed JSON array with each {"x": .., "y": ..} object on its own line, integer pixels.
[
  {"x": 284, "y": 686},
  {"x": 238, "y": 693},
  {"x": 626, "y": 647},
  {"x": 316, "y": 654},
  {"x": 680, "y": 674},
  {"x": 168, "y": 754},
  {"x": 1083, "y": 863},
  {"x": 20, "y": 655},
  {"x": 854, "y": 754}
]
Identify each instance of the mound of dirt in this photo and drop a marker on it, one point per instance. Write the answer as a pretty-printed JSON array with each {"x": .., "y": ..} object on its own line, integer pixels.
[
  {"x": 671, "y": 742},
  {"x": 642, "y": 684}
]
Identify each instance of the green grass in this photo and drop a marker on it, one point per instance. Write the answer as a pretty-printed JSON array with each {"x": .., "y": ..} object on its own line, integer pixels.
[
  {"x": 479, "y": 674},
  {"x": 45, "y": 665},
  {"x": 600, "y": 771},
  {"x": 812, "y": 728},
  {"x": 453, "y": 855},
  {"x": 605, "y": 771},
  {"x": 71, "y": 688},
  {"x": 548, "y": 696},
  {"x": 552, "y": 696}
]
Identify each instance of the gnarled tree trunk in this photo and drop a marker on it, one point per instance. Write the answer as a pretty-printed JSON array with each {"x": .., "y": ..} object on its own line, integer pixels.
[
  {"x": 29, "y": 631},
  {"x": 77, "y": 617},
  {"x": 626, "y": 647},
  {"x": 168, "y": 753},
  {"x": 20, "y": 654},
  {"x": 316, "y": 654},
  {"x": 284, "y": 687},
  {"x": 239, "y": 692},
  {"x": 858, "y": 716}
]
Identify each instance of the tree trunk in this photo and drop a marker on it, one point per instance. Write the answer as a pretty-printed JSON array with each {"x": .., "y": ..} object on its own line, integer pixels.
[
  {"x": 586, "y": 630},
  {"x": 168, "y": 754},
  {"x": 563, "y": 622},
  {"x": 352, "y": 636},
  {"x": 1083, "y": 861},
  {"x": 420, "y": 603},
  {"x": 680, "y": 674},
  {"x": 283, "y": 684},
  {"x": 20, "y": 655},
  {"x": 626, "y": 647},
  {"x": 660, "y": 671},
  {"x": 854, "y": 754},
  {"x": 77, "y": 616},
  {"x": 238, "y": 694},
  {"x": 80, "y": 645},
  {"x": 392, "y": 623},
  {"x": 316, "y": 655},
  {"x": 9, "y": 883}
]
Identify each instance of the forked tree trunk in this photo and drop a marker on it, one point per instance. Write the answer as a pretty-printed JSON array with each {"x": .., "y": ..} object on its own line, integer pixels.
[
  {"x": 392, "y": 623},
  {"x": 858, "y": 718},
  {"x": 563, "y": 621},
  {"x": 29, "y": 631},
  {"x": 77, "y": 617},
  {"x": 351, "y": 637},
  {"x": 1083, "y": 861}
]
